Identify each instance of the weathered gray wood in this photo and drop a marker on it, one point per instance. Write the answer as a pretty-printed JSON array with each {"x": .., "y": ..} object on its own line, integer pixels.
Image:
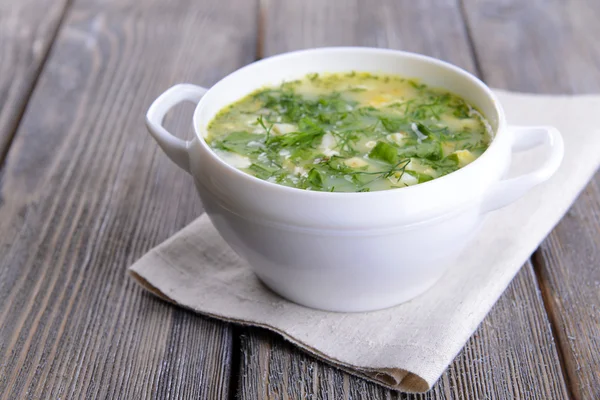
[
  {"x": 500, "y": 361},
  {"x": 512, "y": 355},
  {"x": 85, "y": 192},
  {"x": 541, "y": 46},
  {"x": 568, "y": 266},
  {"x": 552, "y": 47},
  {"x": 432, "y": 27},
  {"x": 27, "y": 28}
]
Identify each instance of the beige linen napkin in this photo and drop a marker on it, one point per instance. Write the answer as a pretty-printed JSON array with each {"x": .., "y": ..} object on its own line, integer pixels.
[{"x": 409, "y": 346}]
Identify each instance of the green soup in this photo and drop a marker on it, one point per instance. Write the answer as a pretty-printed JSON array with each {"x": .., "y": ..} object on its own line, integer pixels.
[{"x": 354, "y": 132}]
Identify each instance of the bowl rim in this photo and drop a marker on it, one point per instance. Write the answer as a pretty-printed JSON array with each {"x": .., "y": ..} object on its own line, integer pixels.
[{"x": 499, "y": 131}]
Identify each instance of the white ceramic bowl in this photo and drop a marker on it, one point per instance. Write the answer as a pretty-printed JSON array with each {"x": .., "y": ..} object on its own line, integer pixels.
[{"x": 351, "y": 251}]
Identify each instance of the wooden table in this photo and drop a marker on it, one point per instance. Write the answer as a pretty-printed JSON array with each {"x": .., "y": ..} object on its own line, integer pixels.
[{"x": 85, "y": 192}]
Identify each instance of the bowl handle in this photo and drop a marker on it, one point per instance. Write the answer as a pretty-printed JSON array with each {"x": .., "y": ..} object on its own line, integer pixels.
[
  {"x": 525, "y": 138},
  {"x": 175, "y": 148}
]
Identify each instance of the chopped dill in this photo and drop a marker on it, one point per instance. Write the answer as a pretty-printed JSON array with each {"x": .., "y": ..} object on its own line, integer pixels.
[{"x": 350, "y": 132}]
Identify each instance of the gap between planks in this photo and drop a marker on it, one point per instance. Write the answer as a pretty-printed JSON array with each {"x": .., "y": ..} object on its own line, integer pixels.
[
  {"x": 235, "y": 361},
  {"x": 470, "y": 41},
  {"x": 552, "y": 319}
]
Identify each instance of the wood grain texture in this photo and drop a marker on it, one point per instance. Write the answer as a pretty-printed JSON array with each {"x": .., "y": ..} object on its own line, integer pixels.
[
  {"x": 512, "y": 355},
  {"x": 27, "y": 29},
  {"x": 85, "y": 192},
  {"x": 540, "y": 46},
  {"x": 568, "y": 266},
  {"x": 552, "y": 47},
  {"x": 431, "y": 27}
]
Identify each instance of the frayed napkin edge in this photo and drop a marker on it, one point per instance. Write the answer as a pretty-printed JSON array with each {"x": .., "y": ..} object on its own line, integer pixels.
[{"x": 393, "y": 378}]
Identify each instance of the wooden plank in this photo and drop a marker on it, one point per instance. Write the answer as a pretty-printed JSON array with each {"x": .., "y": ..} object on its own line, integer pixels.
[
  {"x": 567, "y": 264},
  {"x": 432, "y": 27},
  {"x": 512, "y": 355},
  {"x": 557, "y": 52},
  {"x": 86, "y": 192},
  {"x": 27, "y": 28},
  {"x": 540, "y": 46},
  {"x": 500, "y": 361}
]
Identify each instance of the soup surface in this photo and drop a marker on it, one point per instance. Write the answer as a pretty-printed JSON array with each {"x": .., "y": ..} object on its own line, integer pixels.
[{"x": 350, "y": 132}]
